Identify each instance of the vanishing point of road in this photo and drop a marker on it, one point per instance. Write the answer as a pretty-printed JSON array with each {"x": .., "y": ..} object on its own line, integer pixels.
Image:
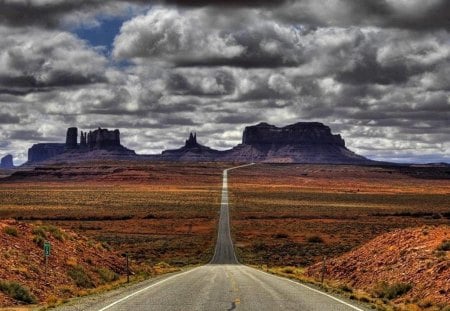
[{"x": 223, "y": 284}]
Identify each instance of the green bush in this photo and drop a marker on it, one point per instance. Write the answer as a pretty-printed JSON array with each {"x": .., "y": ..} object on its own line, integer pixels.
[
  {"x": 39, "y": 240},
  {"x": 445, "y": 246},
  {"x": 391, "y": 291},
  {"x": 11, "y": 231},
  {"x": 17, "y": 292},
  {"x": 39, "y": 231},
  {"x": 107, "y": 275},
  {"x": 80, "y": 277},
  {"x": 56, "y": 232}
]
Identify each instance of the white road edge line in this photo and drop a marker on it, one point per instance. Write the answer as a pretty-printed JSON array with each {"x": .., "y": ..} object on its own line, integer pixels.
[
  {"x": 144, "y": 289},
  {"x": 312, "y": 289}
]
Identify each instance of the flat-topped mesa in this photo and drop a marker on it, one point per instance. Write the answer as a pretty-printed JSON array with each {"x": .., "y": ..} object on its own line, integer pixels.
[
  {"x": 103, "y": 139},
  {"x": 44, "y": 151},
  {"x": 301, "y": 133}
]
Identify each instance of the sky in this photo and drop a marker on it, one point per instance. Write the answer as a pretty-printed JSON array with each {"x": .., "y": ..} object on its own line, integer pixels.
[{"x": 377, "y": 72}]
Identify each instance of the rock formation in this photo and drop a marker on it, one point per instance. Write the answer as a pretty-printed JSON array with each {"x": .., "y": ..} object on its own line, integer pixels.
[
  {"x": 303, "y": 142},
  {"x": 191, "y": 151},
  {"x": 71, "y": 138},
  {"x": 44, "y": 151},
  {"x": 7, "y": 162},
  {"x": 191, "y": 141},
  {"x": 302, "y": 133},
  {"x": 83, "y": 140},
  {"x": 103, "y": 139}
]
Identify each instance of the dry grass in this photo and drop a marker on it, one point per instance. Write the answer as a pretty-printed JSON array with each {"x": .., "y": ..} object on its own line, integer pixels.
[
  {"x": 153, "y": 211},
  {"x": 325, "y": 210}
]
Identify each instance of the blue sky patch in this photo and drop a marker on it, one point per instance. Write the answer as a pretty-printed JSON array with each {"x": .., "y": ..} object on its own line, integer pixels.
[{"x": 102, "y": 35}]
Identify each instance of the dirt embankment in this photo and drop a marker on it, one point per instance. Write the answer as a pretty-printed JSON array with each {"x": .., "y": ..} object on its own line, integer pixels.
[
  {"x": 75, "y": 264},
  {"x": 407, "y": 266}
]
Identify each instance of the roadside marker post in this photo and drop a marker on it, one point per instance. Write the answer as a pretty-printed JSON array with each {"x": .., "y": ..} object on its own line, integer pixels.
[
  {"x": 128, "y": 269},
  {"x": 47, "y": 249},
  {"x": 324, "y": 268}
]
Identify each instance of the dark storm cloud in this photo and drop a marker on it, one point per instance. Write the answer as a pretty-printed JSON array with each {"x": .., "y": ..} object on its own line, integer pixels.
[
  {"x": 55, "y": 79},
  {"x": 177, "y": 121},
  {"x": 25, "y": 135},
  {"x": 413, "y": 14},
  {"x": 23, "y": 13},
  {"x": 238, "y": 118},
  {"x": 218, "y": 83},
  {"x": 408, "y": 14},
  {"x": 7, "y": 118},
  {"x": 223, "y": 3},
  {"x": 50, "y": 14},
  {"x": 368, "y": 70}
]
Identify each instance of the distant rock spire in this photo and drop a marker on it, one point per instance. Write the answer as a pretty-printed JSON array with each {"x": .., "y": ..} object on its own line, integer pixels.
[
  {"x": 192, "y": 140},
  {"x": 83, "y": 139},
  {"x": 71, "y": 138}
]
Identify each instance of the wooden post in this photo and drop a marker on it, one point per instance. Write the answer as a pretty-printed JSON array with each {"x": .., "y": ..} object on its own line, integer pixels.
[
  {"x": 324, "y": 269},
  {"x": 128, "y": 269}
]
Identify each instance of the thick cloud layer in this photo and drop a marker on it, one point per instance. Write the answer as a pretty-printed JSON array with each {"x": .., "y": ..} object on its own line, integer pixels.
[
  {"x": 35, "y": 60},
  {"x": 377, "y": 72}
]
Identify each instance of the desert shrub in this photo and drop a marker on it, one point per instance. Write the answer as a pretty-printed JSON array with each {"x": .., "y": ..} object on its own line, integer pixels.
[
  {"x": 315, "y": 239},
  {"x": 39, "y": 240},
  {"x": 107, "y": 275},
  {"x": 17, "y": 291},
  {"x": 425, "y": 303},
  {"x": 346, "y": 288},
  {"x": 39, "y": 231},
  {"x": 163, "y": 264},
  {"x": 391, "y": 291},
  {"x": 259, "y": 246},
  {"x": 56, "y": 232},
  {"x": 445, "y": 246},
  {"x": 80, "y": 277},
  {"x": 10, "y": 231},
  {"x": 288, "y": 270},
  {"x": 280, "y": 236}
]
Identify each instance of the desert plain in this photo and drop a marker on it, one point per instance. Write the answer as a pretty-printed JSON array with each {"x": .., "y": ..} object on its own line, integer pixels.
[{"x": 283, "y": 216}]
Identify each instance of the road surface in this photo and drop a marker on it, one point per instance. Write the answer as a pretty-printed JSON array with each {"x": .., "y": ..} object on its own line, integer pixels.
[{"x": 223, "y": 284}]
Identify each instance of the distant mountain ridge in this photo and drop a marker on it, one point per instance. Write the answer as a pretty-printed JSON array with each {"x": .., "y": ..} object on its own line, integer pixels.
[{"x": 302, "y": 142}]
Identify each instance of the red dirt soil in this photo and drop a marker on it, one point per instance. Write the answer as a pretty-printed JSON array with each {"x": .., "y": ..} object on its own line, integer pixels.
[
  {"x": 24, "y": 261},
  {"x": 403, "y": 256}
]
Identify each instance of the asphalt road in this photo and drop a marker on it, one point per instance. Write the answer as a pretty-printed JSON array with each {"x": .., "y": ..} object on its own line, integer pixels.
[{"x": 223, "y": 284}]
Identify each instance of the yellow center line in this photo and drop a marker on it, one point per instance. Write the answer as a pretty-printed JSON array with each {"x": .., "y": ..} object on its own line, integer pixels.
[{"x": 235, "y": 288}]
